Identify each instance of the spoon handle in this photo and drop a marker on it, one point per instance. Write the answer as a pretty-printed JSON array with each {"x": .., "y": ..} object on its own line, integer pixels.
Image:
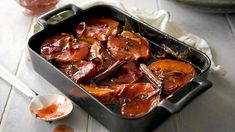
[{"x": 13, "y": 80}]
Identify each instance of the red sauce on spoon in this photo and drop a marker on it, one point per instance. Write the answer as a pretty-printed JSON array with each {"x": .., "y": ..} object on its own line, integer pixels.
[{"x": 47, "y": 111}]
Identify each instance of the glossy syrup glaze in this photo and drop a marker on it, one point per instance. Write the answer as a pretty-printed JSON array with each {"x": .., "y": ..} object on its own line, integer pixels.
[{"x": 107, "y": 65}]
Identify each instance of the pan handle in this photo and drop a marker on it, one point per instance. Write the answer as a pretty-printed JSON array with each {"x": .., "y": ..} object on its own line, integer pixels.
[
  {"x": 203, "y": 85},
  {"x": 42, "y": 20}
]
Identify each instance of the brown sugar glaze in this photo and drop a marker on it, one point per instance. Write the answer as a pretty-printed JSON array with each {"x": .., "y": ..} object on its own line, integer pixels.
[{"x": 103, "y": 44}]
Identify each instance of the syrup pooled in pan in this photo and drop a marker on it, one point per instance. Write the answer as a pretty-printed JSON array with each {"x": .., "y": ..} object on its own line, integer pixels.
[{"x": 105, "y": 60}]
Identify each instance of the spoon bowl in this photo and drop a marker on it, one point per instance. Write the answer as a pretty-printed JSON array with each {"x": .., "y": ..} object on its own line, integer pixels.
[{"x": 50, "y": 107}]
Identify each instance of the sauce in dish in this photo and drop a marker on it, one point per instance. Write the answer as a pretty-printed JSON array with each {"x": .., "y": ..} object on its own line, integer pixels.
[{"x": 106, "y": 62}]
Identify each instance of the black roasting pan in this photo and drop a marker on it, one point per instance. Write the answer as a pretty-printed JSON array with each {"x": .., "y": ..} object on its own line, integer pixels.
[{"x": 107, "y": 115}]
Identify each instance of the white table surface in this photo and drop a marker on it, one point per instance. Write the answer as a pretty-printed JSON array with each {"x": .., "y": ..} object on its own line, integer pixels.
[{"x": 213, "y": 111}]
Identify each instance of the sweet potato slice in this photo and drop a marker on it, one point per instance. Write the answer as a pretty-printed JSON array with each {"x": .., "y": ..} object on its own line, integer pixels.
[
  {"x": 175, "y": 73},
  {"x": 138, "y": 99},
  {"x": 97, "y": 28},
  {"x": 106, "y": 94},
  {"x": 55, "y": 45},
  {"x": 129, "y": 46},
  {"x": 80, "y": 71}
]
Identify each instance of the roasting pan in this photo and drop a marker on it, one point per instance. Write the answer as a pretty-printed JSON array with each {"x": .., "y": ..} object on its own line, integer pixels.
[{"x": 107, "y": 115}]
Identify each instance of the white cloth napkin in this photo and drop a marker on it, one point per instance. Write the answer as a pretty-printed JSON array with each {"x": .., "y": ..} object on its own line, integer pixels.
[{"x": 161, "y": 20}]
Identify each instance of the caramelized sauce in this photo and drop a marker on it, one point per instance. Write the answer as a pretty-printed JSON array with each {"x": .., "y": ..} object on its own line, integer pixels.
[
  {"x": 63, "y": 128},
  {"x": 108, "y": 66},
  {"x": 38, "y": 6},
  {"x": 47, "y": 111},
  {"x": 51, "y": 111}
]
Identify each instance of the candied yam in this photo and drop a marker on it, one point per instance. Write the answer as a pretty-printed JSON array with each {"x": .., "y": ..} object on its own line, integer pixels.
[
  {"x": 97, "y": 28},
  {"x": 105, "y": 94},
  {"x": 80, "y": 71},
  {"x": 80, "y": 51},
  {"x": 97, "y": 50},
  {"x": 138, "y": 99},
  {"x": 110, "y": 24},
  {"x": 129, "y": 46},
  {"x": 56, "y": 44},
  {"x": 129, "y": 73},
  {"x": 175, "y": 73}
]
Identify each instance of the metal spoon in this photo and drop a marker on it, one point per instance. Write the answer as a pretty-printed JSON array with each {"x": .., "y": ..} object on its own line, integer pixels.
[{"x": 48, "y": 107}]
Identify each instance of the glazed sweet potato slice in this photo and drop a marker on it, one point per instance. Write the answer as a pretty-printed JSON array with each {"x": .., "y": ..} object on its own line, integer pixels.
[
  {"x": 135, "y": 99},
  {"x": 110, "y": 25},
  {"x": 138, "y": 99},
  {"x": 97, "y": 28},
  {"x": 128, "y": 73},
  {"x": 103, "y": 94},
  {"x": 121, "y": 72},
  {"x": 80, "y": 71},
  {"x": 97, "y": 50},
  {"x": 129, "y": 46},
  {"x": 55, "y": 45},
  {"x": 79, "y": 50},
  {"x": 64, "y": 48},
  {"x": 175, "y": 73},
  {"x": 106, "y": 94}
]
